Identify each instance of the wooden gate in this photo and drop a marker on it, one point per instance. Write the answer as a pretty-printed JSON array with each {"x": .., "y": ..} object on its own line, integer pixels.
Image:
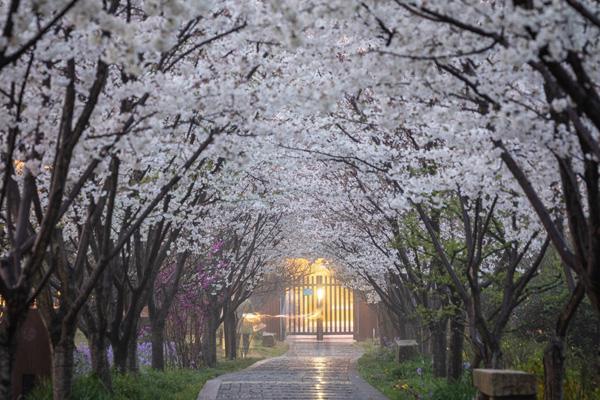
[{"x": 315, "y": 297}]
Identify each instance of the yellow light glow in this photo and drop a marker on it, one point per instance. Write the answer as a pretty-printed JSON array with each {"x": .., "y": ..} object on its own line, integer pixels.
[
  {"x": 320, "y": 293},
  {"x": 252, "y": 317},
  {"x": 19, "y": 166},
  {"x": 315, "y": 294},
  {"x": 319, "y": 267}
]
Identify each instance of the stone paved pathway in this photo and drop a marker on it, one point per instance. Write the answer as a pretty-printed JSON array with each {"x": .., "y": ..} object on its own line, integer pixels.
[{"x": 309, "y": 370}]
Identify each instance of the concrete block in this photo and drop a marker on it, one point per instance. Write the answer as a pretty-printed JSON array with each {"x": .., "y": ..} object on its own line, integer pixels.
[
  {"x": 406, "y": 349},
  {"x": 268, "y": 339},
  {"x": 504, "y": 384}
]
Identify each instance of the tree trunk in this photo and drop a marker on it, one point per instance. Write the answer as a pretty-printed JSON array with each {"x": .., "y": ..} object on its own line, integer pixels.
[
  {"x": 12, "y": 320},
  {"x": 230, "y": 333},
  {"x": 457, "y": 338},
  {"x": 98, "y": 350},
  {"x": 485, "y": 350},
  {"x": 125, "y": 352},
  {"x": 120, "y": 356},
  {"x": 438, "y": 347},
  {"x": 421, "y": 335},
  {"x": 158, "y": 346},
  {"x": 7, "y": 356},
  {"x": 158, "y": 314},
  {"x": 554, "y": 369},
  {"x": 494, "y": 357},
  {"x": 209, "y": 342},
  {"x": 554, "y": 353},
  {"x": 132, "y": 355},
  {"x": 401, "y": 328},
  {"x": 62, "y": 366}
]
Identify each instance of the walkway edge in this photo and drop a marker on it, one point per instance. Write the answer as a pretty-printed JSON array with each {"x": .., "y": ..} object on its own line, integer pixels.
[
  {"x": 210, "y": 390},
  {"x": 367, "y": 391}
]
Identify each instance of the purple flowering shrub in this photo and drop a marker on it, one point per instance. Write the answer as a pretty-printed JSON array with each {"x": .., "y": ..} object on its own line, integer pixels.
[
  {"x": 144, "y": 354},
  {"x": 82, "y": 358},
  {"x": 200, "y": 288}
]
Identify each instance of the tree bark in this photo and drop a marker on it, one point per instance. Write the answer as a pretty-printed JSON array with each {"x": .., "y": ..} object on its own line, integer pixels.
[
  {"x": 7, "y": 356},
  {"x": 62, "y": 366},
  {"x": 554, "y": 353},
  {"x": 98, "y": 351},
  {"x": 495, "y": 358},
  {"x": 230, "y": 333},
  {"x": 132, "y": 355},
  {"x": 554, "y": 369},
  {"x": 438, "y": 347},
  {"x": 15, "y": 314},
  {"x": 120, "y": 356},
  {"x": 158, "y": 313},
  {"x": 457, "y": 338},
  {"x": 209, "y": 341},
  {"x": 401, "y": 328},
  {"x": 158, "y": 345}
]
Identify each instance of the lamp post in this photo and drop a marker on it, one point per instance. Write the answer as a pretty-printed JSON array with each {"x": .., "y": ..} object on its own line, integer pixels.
[{"x": 320, "y": 296}]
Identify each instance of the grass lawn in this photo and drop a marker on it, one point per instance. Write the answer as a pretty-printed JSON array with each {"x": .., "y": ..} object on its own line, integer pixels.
[
  {"x": 173, "y": 384},
  {"x": 409, "y": 380}
]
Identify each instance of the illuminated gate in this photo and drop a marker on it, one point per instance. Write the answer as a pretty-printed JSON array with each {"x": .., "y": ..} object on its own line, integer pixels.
[{"x": 319, "y": 295}]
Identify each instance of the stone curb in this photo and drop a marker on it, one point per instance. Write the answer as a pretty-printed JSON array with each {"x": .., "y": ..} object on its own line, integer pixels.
[{"x": 210, "y": 390}]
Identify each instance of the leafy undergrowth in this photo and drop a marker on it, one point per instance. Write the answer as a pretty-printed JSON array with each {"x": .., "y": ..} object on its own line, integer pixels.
[
  {"x": 173, "y": 384},
  {"x": 582, "y": 382},
  {"x": 409, "y": 380}
]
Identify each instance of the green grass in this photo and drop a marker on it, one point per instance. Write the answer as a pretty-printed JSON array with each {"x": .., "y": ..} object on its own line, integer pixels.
[
  {"x": 259, "y": 351},
  {"x": 402, "y": 381},
  {"x": 173, "y": 384}
]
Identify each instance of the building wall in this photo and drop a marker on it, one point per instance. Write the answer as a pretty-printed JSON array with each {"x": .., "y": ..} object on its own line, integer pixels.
[
  {"x": 33, "y": 359},
  {"x": 366, "y": 319}
]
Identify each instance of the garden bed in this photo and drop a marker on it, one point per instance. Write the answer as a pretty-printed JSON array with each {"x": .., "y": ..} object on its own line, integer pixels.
[{"x": 408, "y": 380}]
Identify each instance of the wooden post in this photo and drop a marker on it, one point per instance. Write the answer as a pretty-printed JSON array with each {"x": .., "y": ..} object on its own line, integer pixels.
[{"x": 503, "y": 384}]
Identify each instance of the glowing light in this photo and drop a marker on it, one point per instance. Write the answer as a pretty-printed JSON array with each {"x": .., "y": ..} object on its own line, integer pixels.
[
  {"x": 320, "y": 293},
  {"x": 252, "y": 317},
  {"x": 19, "y": 166}
]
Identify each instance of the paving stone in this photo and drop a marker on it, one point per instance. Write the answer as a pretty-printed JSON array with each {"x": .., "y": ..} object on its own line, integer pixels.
[{"x": 309, "y": 370}]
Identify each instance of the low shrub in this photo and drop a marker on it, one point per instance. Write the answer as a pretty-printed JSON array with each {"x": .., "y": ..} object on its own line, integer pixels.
[
  {"x": 409, "y": 380},
  {"x": 581, "y": 382},
  {"x": 173, "y": 384}
]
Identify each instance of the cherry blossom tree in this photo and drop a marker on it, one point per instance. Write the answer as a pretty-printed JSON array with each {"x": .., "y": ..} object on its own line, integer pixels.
[
  {"x": 71, "y": 124},
  {"x": 511, "y": 82},
  {"x": 151, "y": 147}
]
